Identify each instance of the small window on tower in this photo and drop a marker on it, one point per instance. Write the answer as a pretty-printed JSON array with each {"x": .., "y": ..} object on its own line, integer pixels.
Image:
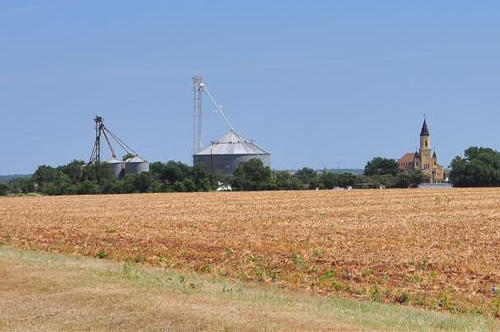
[{"x": 425, "y": 143}]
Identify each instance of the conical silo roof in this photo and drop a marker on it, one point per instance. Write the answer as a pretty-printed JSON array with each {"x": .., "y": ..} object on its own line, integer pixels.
[
  {"x": 113, "y": 160},
  {"x": 232, "y": 143},
  {"x": 135, "y": 159}
]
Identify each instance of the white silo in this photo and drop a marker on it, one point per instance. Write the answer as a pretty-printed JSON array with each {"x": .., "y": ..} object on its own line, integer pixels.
[
  {"x": 116, "y": 167},
  {"x": 226, "y": 153},
  {"x": 136, "y": 165}
]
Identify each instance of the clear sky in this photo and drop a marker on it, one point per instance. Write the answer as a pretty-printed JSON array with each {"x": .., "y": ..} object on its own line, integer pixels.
[{"x": 317, "y": 83}]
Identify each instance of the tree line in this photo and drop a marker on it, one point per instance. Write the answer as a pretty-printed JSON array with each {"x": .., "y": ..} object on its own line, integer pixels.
[
  {"x": 478, "y": 167},
  {"x": 77, "y": 178}
]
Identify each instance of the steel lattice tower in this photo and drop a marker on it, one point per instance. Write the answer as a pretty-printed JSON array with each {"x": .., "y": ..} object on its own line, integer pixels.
[{"x": 197, "y": 90}]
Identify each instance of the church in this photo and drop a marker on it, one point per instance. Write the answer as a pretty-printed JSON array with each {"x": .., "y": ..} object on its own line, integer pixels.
[{"x": 424, "y": 159}]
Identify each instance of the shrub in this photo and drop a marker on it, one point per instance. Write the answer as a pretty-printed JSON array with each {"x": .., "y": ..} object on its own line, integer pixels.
[
  {"x": 403, "y": 298},
  {"x": 101, "y": 254},
  {"x": 4, "y": 189}
]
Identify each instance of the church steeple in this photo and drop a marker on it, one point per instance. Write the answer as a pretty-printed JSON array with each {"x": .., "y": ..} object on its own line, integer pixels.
[
  {"x": 425, "y": 130},
  {"x": 425, "y": 140},
  {"x": 425, "y": 158}
]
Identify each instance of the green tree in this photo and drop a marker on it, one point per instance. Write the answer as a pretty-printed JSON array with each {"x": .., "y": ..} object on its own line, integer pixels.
[
  {"x": 317, "y": 182},
  {"x": 51, "y": 181},
  {"x": 346, "y": 180},
  {"x": 306, "y": 175},
  {"x": 21, "y": 185},
  {"x": 4, "y": 189},
  {"x": 330, "y": 180},
  {"x": 480, "y": 167},
  {"x": 156, "y": 169},
  {"x": 45, "y": 174},
  {"x": 73, "y": 170},
  {"x": 156, "y": 186},
  {"x": 285, "y": 181},
  {"x": 89, "y": 188},
  {"x": 128, "y": 156},
  {"x": 174, "y": 171},
  {"x": 410, "y": 178},
  {"x": 381, "y": 166},
  {"x": 179, "y": 186},
  {"x": 143, "y": 182},
  {"x": 202, "y": 179},
  {"x": 97, "y": 172},
  {"x": 188, "y": 185},
  {"x": 128, "y": 184},
  {"x": 252, "y": 175},
  {"x": 386, "y": 180},
  {"x": 110, "y": 186}
]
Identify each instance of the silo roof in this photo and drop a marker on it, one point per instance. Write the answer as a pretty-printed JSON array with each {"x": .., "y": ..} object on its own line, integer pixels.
[
  {"x": 135, "y": 159},
  {"x": 232, "y": 143},
  {"x": 113, "y": 161}
]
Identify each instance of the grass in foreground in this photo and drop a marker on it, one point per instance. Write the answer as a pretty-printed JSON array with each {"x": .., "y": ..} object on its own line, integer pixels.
[{"x": 40, "y": 291}]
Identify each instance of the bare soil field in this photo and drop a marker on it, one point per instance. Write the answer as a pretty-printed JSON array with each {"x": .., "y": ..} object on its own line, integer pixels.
[
  {"x": 55, "y": 292},
  {"x": 438, "y": 249}
]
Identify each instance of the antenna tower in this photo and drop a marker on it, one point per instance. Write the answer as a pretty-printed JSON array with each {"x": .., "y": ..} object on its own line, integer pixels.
[{"x": 197, "y": 89}]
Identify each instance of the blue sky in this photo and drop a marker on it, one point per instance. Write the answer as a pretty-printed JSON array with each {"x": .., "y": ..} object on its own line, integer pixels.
[{"x": 322, "y": 84}]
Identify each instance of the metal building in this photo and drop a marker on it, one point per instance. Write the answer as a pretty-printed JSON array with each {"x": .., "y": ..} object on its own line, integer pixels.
[
  {"x": 225, "y": 154},
  {"x": 116, "y": 167},
  {"x": 136, "y": 165}
]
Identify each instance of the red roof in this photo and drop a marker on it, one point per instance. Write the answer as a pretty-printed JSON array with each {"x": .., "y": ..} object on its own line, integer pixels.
[{"x": 408, "y": 158}]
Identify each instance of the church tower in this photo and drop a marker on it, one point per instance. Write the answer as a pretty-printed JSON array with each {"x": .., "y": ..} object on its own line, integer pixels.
[{"x": 426, "y": 162}]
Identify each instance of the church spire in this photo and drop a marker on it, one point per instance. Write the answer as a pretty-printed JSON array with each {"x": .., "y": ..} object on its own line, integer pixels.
[{"x": 425, "y": 130}]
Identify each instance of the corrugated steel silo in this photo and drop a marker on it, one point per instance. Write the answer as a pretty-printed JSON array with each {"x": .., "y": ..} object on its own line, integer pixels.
[
  {"x": 225, "y": 154},
  {"x": 116, "y": 167},
  {"x": 136, "y": 165}
]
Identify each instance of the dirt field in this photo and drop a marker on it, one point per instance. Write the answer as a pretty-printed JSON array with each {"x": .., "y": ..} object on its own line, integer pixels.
[
  {"x": 55, "y": 292},
  {"x": 431, "y": 248}
]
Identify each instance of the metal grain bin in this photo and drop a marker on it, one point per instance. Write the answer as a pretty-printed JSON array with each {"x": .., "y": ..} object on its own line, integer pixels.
[
  {"x": 225, "y": 154},
  {"x": 116, "y": 167},
  {"x": 136, "y": 165}
]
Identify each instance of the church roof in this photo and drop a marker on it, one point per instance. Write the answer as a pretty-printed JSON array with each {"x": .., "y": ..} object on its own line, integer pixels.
[
  {"x": 408, "y": 158},
  {"x": 425, "y": 130}
]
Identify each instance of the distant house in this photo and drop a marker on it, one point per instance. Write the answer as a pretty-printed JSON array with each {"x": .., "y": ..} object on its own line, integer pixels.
[{"x": 424, "y": 159}]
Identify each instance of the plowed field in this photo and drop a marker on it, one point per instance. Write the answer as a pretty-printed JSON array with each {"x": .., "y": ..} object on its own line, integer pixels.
[{"x": 431, "y": 248}]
